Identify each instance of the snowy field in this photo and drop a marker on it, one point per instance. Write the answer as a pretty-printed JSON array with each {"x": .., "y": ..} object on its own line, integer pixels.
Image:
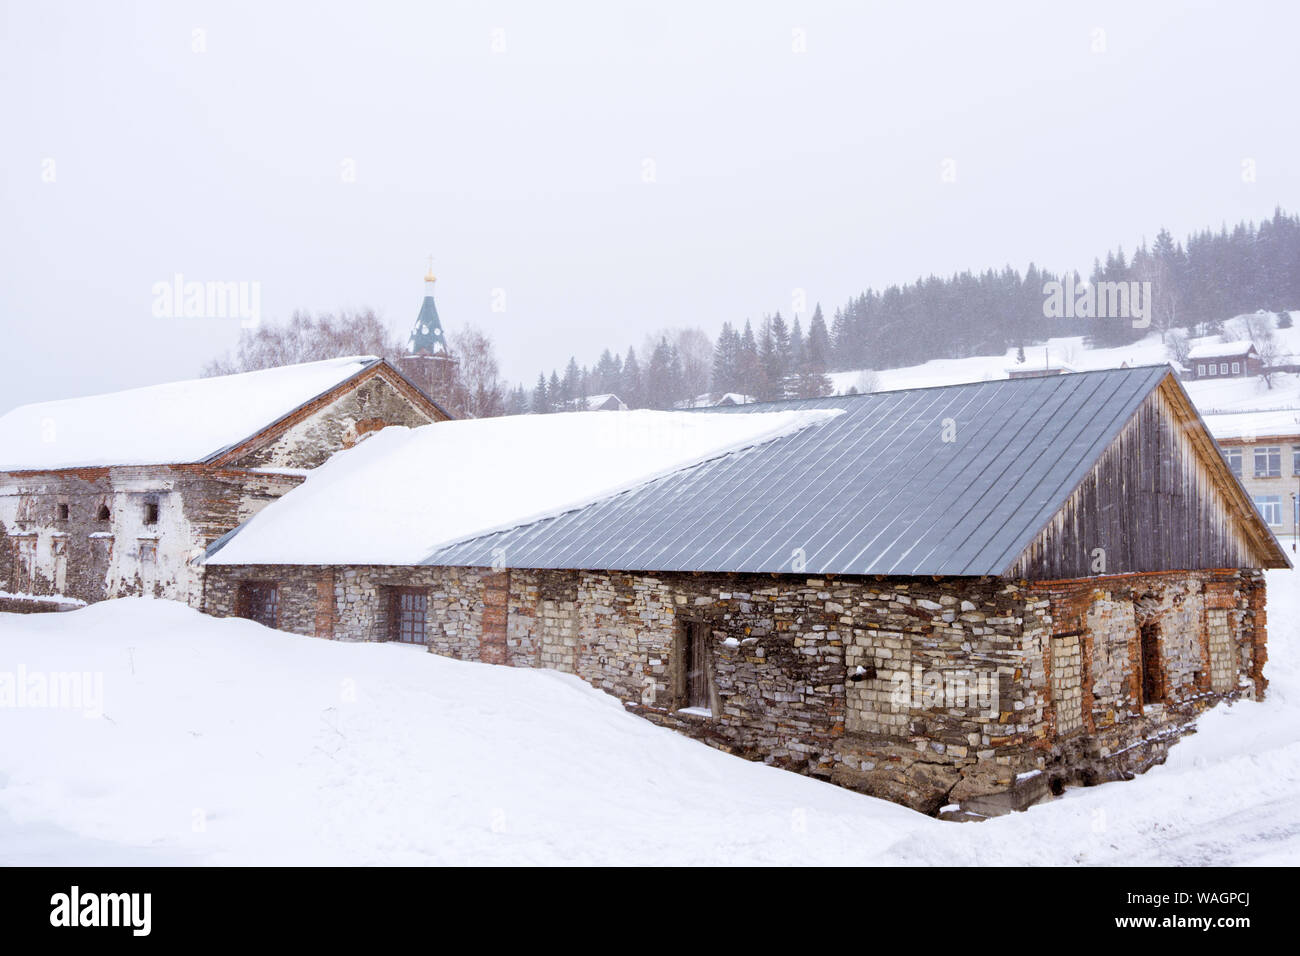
[
  {"x": 1211, "y": 395},
  {"x": 222, "y": 742}
]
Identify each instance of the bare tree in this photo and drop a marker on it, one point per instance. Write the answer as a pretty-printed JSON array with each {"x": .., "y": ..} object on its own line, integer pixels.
[
  {"x": 477, "y": 391},
  {"x": 1258, "y": 328},
  {"x": 866, "y": 383},
  {"x": 1164, "y": 303},
  {"x": 1178, "y": 346},
  {"x": 694, "y": 350},
  {"x": 305, "y": 338}
]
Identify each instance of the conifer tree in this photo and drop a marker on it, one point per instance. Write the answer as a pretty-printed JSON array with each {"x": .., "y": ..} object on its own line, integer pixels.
[{"x": 541, "y": 401}]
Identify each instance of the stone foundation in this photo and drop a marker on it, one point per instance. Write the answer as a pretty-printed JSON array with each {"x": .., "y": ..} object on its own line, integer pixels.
[{"x": 982, "y": 692}]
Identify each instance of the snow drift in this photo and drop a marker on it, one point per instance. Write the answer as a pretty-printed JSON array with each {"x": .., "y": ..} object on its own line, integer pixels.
[{"x": 219, "y": 741}]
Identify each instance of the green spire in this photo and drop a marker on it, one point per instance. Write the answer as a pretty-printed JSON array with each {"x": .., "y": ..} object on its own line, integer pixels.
[{"x": 427, "y": 337}]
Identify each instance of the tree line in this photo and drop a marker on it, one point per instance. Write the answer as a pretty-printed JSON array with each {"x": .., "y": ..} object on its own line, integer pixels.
[{"x": 1195, "y": 285}]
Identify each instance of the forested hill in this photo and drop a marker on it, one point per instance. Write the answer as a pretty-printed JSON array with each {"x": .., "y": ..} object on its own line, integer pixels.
[{"x": 1196, "y": 282}]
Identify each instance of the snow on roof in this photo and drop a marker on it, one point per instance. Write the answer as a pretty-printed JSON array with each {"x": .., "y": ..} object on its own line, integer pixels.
[
  {"x": 1027, "y": 367},
  {"x": 595, "y": 401},
  {"x": 1252, "y": 425},
  {"x": 175, "y": 423},
  {"x": 1215, "y": 349},
  {"x": 404, "y": 492}
]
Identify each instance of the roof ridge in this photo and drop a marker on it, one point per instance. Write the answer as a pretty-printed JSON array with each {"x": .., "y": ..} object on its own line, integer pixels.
[{"x": 930, "y": 388}]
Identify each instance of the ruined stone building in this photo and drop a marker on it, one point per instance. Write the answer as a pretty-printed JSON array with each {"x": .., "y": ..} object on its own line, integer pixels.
[
  {"x": 963, "y": 595},
  {"x": 116, "y": 495}
]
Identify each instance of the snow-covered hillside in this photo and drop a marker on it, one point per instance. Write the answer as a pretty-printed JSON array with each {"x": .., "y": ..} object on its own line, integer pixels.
[
  {"x": 1222, "y": 395},
  {"x": 219, "y": 741}
]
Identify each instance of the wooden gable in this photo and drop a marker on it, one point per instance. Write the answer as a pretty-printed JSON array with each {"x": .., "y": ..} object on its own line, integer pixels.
[{"x": 1160, "y": 497}]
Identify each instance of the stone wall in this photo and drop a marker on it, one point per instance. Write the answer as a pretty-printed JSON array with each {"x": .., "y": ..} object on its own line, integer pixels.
[
  {"x": 923, "y": 692},
  {"x": 12, "y": 604},
  {"x": 778, "y": 648},
  {"x": 369, "y": 406},
  {"x": 91, "y": 534}
]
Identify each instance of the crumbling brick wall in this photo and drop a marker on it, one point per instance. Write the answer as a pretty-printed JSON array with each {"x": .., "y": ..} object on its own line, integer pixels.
[{"x": 1208, "y": 625}]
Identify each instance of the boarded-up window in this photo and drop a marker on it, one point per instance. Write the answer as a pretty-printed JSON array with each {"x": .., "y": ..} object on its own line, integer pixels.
[
  {"x": 408, "y": 615},
  {"x": 1067, "y": 681},
  {"x": 260, "y": 601},
  {"x": 1153, "y": 683},
  {"x": 24, "y": 564},
  {"x": 101, "y": 547},
  {"x": 1222, "y": 664}
]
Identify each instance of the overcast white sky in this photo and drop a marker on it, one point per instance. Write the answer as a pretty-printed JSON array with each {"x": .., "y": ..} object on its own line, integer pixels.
[{"x": 522, "y": 170}]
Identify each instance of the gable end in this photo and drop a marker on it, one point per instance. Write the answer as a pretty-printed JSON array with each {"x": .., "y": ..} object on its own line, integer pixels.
[{"x": 1160, "y": 497}]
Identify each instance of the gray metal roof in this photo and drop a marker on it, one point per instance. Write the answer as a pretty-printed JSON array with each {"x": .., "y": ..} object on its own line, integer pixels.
[{"x": 873, "y": 491}]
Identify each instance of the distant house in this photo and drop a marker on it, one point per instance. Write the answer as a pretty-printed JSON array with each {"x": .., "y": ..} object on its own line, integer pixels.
[
  {"x": 114, "y": 495},
  {"x": 734, "y": 398},
  {"x": 1224, "y": 360},
  {"x": 605, "y": 403},
  {"x": 1038, "y": 371},
  {"x": 960, "y": 595}
]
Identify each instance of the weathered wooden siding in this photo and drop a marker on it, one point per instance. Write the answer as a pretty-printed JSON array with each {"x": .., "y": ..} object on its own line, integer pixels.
[{"x": 1154, "y": 501}]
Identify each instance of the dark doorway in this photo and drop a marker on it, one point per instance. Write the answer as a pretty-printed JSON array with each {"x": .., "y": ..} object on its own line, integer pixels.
[
  {"x": 260, "y": 601},
  {"x": 1153, "y": 689},
  {"x": 697, "y": 666}
]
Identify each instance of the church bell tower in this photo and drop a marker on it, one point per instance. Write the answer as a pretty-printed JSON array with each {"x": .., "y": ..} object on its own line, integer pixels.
[{"x": 428, "y": 361}]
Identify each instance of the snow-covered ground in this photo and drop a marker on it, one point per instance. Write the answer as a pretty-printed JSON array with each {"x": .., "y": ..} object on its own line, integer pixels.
[{"x": 219, "y": 741}]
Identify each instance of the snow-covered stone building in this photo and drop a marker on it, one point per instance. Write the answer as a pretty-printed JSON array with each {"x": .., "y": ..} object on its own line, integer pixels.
[
  {"x": 114, "y": 495},
  {"x": 963, "y": 595}
]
